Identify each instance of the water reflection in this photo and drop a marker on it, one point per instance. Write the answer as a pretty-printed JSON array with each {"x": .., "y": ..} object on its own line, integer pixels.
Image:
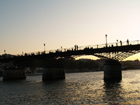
[
  {"x": 76, "y": 89},
  {"x": 113, "y": 92},
  {"x": 55, "y": 92}
]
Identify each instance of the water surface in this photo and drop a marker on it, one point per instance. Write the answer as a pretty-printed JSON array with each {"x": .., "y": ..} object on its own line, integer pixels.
[{"x": 86, "y": 88}]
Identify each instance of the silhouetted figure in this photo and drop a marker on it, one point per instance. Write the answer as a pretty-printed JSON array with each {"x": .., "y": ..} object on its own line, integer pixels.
[
  {"x": 97, "y": 46},
  {"x": 25, "y": 54},
  {"x": 75, "y": 47},
  {"x": 112, "y": 45},
  {"x": 117, "y": 43},
  {"x": 120, "y": 42},
  {"x": 127, "y": 42},
  {"x": 61, "y": 48}
]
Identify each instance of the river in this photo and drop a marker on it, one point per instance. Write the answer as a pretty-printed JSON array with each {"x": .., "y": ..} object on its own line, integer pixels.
[{"x": 87, "y": 88}]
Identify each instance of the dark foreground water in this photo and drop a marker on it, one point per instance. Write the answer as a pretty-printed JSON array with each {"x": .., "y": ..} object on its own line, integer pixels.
[{"x": 77, "y": 89}]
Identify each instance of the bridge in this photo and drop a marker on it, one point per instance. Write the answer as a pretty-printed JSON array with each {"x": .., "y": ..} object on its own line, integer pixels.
[{"x": 53, "y": 60}]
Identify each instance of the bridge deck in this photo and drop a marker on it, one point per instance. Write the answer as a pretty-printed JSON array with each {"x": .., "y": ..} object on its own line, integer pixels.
[{"x": 86, "y": 51}]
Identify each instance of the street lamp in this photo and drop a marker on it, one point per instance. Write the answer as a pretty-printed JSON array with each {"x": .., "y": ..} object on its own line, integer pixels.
[
  {"x": 61, "y": 48},
  {"x": 4, "y": 51},
  {"x": 106, "y": 39},
  {"x": 44, "y": 47}
]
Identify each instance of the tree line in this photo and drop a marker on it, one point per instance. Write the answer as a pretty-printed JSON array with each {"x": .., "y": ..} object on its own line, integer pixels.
[
  {"x": 67, "y": 64},
  {"x": 78, "y": 64}
]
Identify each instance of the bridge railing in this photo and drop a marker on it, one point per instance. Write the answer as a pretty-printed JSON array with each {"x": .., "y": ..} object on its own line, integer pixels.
[{"x": 114, "y": 44}]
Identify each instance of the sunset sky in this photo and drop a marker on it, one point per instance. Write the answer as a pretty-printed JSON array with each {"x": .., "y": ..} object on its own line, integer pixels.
[{"x": 25, "y": 25}]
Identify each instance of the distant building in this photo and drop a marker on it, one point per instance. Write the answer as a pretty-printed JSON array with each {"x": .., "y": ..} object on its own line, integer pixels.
[
  {"x": 130, "y": 62},
  {"x": 7, "y": 56},
  {"x": 85, "y": 60},
  {"x": 136, "y": 62}
]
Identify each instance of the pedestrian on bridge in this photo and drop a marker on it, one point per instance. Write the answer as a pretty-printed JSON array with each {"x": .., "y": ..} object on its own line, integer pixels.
[
  {"x": 120, "y": 42},
  {"x": 127, "y": 42},
  {"x": 112, "y": 45},
  {"x": 117, "y": 43},
  {"x": 75, "y": 47}
]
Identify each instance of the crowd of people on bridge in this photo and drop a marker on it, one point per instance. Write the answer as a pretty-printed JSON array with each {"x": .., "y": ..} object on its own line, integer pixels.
[
  {"x": 120, "y": 43},
  {"x": 126, "y": 42},
  {"x": 76, "y": 47}
]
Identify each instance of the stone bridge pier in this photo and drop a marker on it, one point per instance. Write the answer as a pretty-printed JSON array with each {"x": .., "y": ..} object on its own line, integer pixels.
[
  {"x": 14, "y": 74},
  {"x": 53, "y": 73},
  {"x": 112, "y": 70}
]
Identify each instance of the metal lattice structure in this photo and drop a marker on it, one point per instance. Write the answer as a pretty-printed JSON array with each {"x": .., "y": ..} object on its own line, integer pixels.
[{"x": 120, "y": 56}]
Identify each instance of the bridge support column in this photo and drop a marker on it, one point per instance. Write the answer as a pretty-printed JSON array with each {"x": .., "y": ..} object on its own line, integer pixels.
[
  {"x": 53, "y": 73},
  {"x": 15, "y": 74},
  {"x": 112, "y": 70}
]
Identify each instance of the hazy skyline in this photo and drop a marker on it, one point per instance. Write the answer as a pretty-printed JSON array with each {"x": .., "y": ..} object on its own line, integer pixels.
[{"x": 25, "y": 25}]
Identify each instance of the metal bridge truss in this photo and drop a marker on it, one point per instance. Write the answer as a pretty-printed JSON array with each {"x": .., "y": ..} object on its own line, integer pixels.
[
  {"x": 116, "y": 55},
  {"x": 120, "y": 56}
]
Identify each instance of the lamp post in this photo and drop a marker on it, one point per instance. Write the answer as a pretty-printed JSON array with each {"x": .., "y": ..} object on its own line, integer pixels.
[
  {"x": 106, "y": 39},
  {"x": 4, "y": 51},
  {"x": 44, "y": 47},
  {"x": 61, "y": 48},
  {"x": 137, "y": 41}
]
